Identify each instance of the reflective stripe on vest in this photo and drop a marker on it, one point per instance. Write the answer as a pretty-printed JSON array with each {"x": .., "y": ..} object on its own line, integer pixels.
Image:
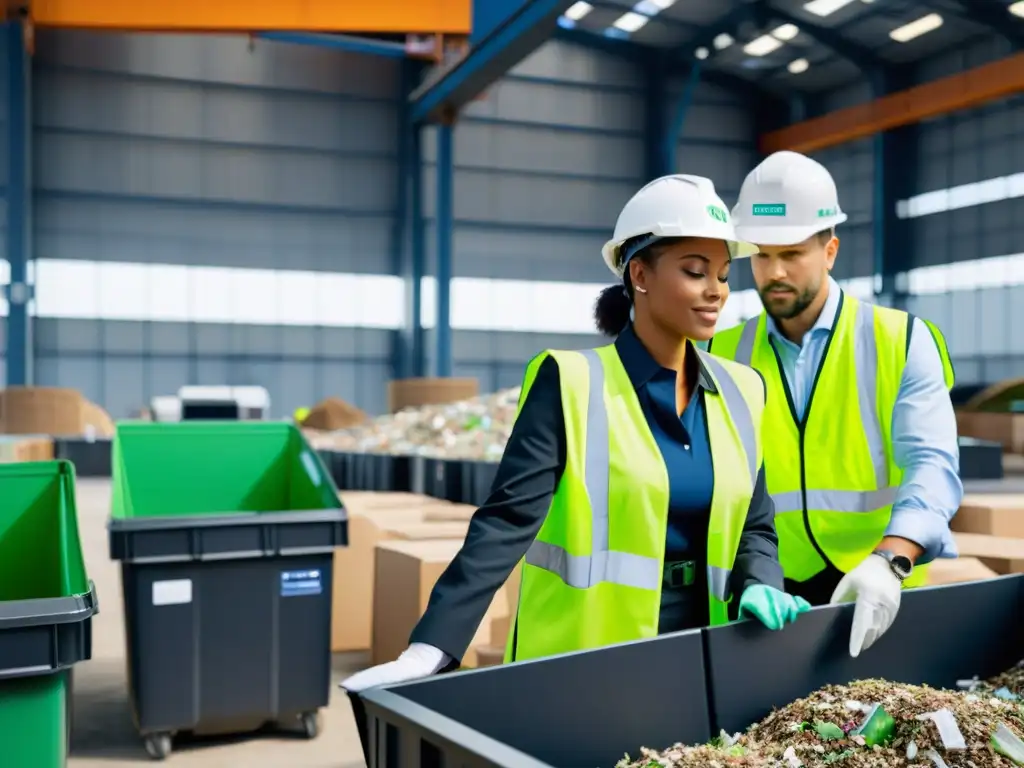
[
  {"x": 624, "y": 568},
  {"x": 866, "y": 364}
]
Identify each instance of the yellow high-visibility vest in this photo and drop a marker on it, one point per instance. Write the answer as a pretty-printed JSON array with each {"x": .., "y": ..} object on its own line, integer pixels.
[
  {"x": 832, "y": 475},
  {"x": 593, "y": 575}
]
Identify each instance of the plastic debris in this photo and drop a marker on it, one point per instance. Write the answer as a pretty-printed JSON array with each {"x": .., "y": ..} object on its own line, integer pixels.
[
  {"x": 936, "y": 759},
  {"x": 475, "y": 430},
  {"x": 877, "y": 727},
  {"x": 948, "y": 729},
  {"x": 791, "y": 759},
  {"x": 1008, "y": 744}
]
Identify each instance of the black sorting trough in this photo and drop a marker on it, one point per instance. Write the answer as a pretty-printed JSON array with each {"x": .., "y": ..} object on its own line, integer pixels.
[{"x": 586, "y": 710}]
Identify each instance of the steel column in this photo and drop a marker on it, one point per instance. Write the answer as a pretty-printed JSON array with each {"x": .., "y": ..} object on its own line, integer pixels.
[
  {"x": 403, "y": 231},
  {"x": 418, "y": 255},
  {"x": 444, "y": 223},
  {"x": 675, "y": 128},
  {"x": 19, "y": 206},
  {"x": 655, "y": 96}
]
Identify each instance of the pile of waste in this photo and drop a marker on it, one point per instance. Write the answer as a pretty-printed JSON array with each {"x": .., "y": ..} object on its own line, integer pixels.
[
  {"x": 873, "y": 724},
  {"x": 475, "y": 430}
]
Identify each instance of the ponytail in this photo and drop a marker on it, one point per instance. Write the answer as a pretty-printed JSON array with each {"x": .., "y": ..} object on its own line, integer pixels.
[{"x": 611, "y": 311}]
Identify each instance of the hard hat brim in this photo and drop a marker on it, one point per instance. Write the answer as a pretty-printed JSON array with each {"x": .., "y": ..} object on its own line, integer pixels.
[
  {"x": 738, "y": 249},
  {"x": 775, "y": 235}
]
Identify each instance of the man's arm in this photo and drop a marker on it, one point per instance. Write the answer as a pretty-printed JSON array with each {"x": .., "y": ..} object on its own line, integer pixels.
[{"x": 924, "y": 439}]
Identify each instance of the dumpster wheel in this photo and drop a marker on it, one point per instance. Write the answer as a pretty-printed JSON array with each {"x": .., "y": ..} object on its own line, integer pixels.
[
  {"x": 158, "y": 745},
  {"x": 311, "y": 724}
]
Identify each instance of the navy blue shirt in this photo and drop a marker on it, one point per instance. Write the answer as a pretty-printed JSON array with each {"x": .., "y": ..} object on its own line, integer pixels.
[
  {"x": 531, "y": 468},
  {"x": 682, "y": 439}
]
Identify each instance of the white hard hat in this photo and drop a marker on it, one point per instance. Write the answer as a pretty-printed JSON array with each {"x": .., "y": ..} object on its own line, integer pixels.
[
  {"x": 674, "y": 206},
  {"x": 788, "y": 198}
]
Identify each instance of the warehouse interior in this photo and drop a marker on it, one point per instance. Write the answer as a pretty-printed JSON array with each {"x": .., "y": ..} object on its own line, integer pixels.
[{"x": 316, "y": 208}]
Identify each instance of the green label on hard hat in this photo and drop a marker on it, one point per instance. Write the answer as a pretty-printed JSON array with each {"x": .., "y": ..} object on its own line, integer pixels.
[
  {"x": 824, "y": 213},
  {"x": 718, "y": 214},
  {"x": 769, "y": 209}
]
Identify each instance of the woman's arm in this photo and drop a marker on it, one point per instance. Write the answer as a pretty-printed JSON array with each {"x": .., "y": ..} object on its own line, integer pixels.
[
  {"x": 504, "y": 527},
  {"x": 757, "y": 560}
]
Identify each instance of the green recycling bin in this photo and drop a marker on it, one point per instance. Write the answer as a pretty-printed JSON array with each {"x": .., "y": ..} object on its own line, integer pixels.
[
  {"x": 226, "y": 534},
  {"x": 46, "y": 609}
]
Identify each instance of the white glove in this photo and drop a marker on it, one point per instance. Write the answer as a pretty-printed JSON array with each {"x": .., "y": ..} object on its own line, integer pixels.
[
  {"x": 877, "y": 591},
  {"x": 418, "y": 660}
]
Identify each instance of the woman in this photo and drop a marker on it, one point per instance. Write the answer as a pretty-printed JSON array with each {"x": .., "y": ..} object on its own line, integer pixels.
[{"x": 632, "y": 486}]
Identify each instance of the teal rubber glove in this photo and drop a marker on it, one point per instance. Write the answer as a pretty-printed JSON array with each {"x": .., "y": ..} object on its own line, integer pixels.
[{"x": 771, "y": 607}]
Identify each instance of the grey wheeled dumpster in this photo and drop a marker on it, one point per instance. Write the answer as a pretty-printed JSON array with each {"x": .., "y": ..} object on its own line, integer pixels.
[{"x": 226, "y": 534}]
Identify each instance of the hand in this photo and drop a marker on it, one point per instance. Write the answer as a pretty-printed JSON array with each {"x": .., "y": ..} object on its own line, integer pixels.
[
  {"x": 772, "y": 607},
  {"x": 877, "y": 591},
  {"x": 418, "y": 660}
]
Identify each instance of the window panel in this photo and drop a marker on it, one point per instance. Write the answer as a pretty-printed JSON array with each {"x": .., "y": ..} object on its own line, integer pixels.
[
  {"x": 67, "y": 289},
  {"x": 123, "y": 290},
  {"x": 298, "y": 297},
  {"x": 210, "y": 294},
  {"x": 168, "y": 294}
]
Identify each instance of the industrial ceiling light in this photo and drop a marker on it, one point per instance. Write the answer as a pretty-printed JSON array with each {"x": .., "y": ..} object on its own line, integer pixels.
[
  {"x": 701, "y": 53},
  {"x": 916, "y": 28},
  {"x": 578, "y": 10},
  {"x": 825, "y": 7},
  {"x": 724, "y": 40},
  {"x": 1017, "y": 9},
  {"x": 630, "y": 22},
  {"x": 762, "y": 46},
  {"x": 786, "y": 32},
  {"x": 661, "y": 5},
  {"x": 798, "y": 65}
]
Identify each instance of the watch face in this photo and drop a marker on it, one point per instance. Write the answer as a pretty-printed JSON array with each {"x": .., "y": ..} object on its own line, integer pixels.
[{"x": 901, "y": 565}]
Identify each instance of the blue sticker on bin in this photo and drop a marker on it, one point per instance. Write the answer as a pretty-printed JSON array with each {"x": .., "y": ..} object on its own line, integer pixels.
[{"x": 299, "y": 583}]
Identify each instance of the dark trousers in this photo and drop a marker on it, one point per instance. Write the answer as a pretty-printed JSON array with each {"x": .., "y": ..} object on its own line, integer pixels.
[{"x": 818, "y": 589}]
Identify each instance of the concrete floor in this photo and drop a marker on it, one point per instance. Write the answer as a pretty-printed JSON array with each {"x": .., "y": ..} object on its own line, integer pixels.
[{"x": 103, "y": 735}]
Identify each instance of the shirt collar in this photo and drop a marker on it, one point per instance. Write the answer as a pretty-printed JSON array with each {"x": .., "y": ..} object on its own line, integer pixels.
[
  {"x": 641, "y": 367},
  {"x": 825, "y": 320}
]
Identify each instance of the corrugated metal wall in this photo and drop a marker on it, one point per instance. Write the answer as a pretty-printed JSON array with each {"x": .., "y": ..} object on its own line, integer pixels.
[
  {"x": 972, "y": 163},
  {"x": 544, "y": 162},
  {"x": 852, "y": 167},
  {"x": 208, "y": 151}
]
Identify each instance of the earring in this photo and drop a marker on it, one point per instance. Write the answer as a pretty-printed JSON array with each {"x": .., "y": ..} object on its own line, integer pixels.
[{"x": 642, "y": 290}]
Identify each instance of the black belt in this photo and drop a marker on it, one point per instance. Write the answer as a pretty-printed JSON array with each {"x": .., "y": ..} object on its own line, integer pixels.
[{"x": 679, "y": 574}]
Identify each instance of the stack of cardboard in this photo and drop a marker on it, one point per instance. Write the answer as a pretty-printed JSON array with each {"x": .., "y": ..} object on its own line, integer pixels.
[
  {"x": 990, "y": 529},
  {"x": 406, "y": 574},
  {"x": 376, "y": 518},
  {"x": 29, "y": 448}
]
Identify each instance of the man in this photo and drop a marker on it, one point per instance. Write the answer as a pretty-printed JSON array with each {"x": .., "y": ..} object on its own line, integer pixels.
[{"x": 861, "y": 452}]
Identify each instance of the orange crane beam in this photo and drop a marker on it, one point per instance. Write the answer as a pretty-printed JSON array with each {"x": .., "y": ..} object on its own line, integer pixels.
[
  {"x": 451, "y": 17},
  {"x": 989, "y": 82}
]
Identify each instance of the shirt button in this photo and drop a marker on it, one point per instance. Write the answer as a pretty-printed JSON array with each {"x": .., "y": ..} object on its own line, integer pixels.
[{"x": 686, "y": 446}]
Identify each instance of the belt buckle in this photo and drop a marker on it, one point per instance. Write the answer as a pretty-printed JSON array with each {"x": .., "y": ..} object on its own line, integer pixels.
[{"x": 680, "y": 574}]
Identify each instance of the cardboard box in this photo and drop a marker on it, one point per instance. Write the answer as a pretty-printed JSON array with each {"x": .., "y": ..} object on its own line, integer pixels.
[
  {"x": 353, "y": 580},
  {"x": 491, "y": 656},
  {"x": 356, "y": 501},
  {"x": 406, "y": 572},
  {"x": 1002, "y": 555},
  {"x": 958, "y": 570},
  {"x": 992, "y": 514},
  {"x": 449, "y": 512},
  {"x": 1007, "y": 429}
]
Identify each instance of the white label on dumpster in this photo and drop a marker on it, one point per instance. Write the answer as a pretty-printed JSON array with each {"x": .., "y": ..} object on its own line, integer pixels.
[
  {"x": 172, "y": 592},
  {"x": 310, "y": 466}
]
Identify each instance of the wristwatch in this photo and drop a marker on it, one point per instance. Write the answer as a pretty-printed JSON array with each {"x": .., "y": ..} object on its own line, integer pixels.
[{"x": 900, "y": 564}]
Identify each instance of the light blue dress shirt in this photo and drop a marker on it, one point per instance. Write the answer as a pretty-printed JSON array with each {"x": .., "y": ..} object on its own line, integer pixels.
[{"x": 924, "y": 433}]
